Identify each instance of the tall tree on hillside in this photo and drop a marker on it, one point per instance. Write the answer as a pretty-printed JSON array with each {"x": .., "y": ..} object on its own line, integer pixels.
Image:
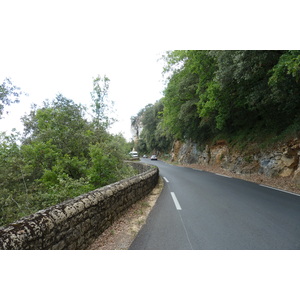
[
  {"x": 285, "y": 87},
  {"x": 244, "y": 95},
  {"x": 191, "y": 76},
  {"x": 230, "y": 90}
]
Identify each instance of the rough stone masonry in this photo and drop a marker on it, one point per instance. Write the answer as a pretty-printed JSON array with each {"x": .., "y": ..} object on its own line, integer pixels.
[{"x": 76, "y": 223}]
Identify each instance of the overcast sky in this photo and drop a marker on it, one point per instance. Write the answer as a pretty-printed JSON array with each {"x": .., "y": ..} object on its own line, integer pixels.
[{"x": 51, "y": 47}]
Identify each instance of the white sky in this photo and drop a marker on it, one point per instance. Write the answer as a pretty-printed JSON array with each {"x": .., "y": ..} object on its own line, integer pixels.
[
  {"x": 58, "y": 47},
  {"x": 50, "y": 47}
]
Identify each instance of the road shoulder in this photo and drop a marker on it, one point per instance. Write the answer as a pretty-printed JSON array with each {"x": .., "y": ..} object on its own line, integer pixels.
[
  {"x": 122, "y": 232},
  {"x": 283, "y": 183}
]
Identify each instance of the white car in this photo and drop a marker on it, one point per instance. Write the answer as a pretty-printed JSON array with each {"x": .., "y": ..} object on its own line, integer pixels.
[{"x": 153, "y": 157}]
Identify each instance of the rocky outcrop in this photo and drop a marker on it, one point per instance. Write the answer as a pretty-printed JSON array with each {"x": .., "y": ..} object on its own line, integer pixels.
[
  {"x": 279, "y": 163},
  {"x": 185, "y": 152},
  {"x": 282, "y": 161}
]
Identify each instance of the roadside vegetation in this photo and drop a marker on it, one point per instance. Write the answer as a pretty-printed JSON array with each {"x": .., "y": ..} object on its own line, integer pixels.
[
  {"x": 245, "y": 97},
  {"x": 61, "y": 153}
]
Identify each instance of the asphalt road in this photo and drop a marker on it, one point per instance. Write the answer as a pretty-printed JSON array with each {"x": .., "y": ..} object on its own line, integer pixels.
[{"x": 202, "y": 210}]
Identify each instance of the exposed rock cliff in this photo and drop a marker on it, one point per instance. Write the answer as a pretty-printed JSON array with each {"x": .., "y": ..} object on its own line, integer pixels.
[{"x": 280, "y": 162}]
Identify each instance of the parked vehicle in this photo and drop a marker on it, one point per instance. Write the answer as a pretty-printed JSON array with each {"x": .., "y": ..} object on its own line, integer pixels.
[
  {"x": 133, "y": 154},
  {"x": 145, "y": 156},
  {"x": 153, "y": 157}
]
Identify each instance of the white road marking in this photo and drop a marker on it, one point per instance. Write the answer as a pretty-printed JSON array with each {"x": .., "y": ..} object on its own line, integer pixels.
[
  {"x": 178, "y": 207},
  {"x": 270, "y": 187},
  {"x": 166, "y": 179},
  {"x": 223, "y": 175},
  {"x": 186, "y": 233}
]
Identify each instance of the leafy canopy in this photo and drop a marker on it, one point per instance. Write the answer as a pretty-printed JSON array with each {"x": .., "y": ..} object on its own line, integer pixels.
[{"x": 60, "y": 155}]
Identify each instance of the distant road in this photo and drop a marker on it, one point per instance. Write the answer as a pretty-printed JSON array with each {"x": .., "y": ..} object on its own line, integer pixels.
[{"x": 202, "y": 210}]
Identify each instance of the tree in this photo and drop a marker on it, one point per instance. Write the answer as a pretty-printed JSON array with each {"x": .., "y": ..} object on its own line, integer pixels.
[
  {"x": 181, "y": 118},
  {"x": 285, "y": 89},
  {"x": 8, "y": 94},
  {"x": 153, "y": 137},
  {"x": 288, "y": 64},
  {"x": 245, "y": 96},
  {"x": 136, "y": 123},
  {"x": 231, "y": 90},
  {"x": 106, "y": 161},
  {"x": 61, "y": 155},
  {"x": 100, "y": 102},
  {"x": 61, "y": 122},
  {"x": 14, "y": 186},
  {"x": 191, "y": 77}
]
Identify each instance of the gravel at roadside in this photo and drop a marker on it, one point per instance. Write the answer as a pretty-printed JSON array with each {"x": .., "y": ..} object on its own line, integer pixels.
[
  {"x": 283, "y": 183},
  {"x": 122, "y": 232}
]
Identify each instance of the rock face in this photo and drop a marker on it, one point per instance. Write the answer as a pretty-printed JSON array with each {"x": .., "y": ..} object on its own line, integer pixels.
[{"x": 283, "y": 161}]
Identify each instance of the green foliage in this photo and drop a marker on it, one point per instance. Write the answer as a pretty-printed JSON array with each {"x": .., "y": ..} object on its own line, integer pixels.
[
  {"x": 248, "y": 96},
  {"x": 104, "y": 166},
  {"x": 9, "y": 94},
  {"x": 288, "y": 64},
  {"x": 153, "y": 137},
  {"x": 61, "y": 155},
  {"x": 61, "y": 122},
  {"x": 39, "y": 156},
  {"x": 12, "y": 179},
  {"x": 285, "y": 89},
  {"x": 100, "y": 104},
  {"x": 184, "y": 113}
]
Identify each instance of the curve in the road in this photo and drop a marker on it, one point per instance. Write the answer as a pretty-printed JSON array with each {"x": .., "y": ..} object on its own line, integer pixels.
[{"x": 202, "y": 210}]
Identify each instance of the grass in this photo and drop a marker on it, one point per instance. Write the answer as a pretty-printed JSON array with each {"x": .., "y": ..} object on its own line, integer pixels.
[{"x": 145, "y": 204}]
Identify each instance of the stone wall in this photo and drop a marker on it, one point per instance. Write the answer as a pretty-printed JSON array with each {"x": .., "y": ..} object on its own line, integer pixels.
[
  {"x": 282, "y": 161},
  {"x": 76, "y": 223}
]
